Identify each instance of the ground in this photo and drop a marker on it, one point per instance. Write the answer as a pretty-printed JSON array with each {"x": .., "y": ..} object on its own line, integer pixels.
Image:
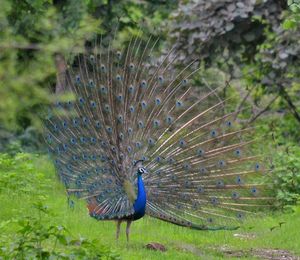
[{"x": 28, "y": 178}]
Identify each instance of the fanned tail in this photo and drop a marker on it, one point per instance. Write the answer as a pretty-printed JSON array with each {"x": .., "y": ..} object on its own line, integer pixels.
[{"x": 130, "y": 106}]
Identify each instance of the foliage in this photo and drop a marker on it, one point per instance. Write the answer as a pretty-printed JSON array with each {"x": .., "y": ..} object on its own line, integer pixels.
[
  {"x": 131, "y": 14},
  {"x": 203, "y": 29},
  {"x": 256, "y": 43},
  {"x": 275, "y": 70},
  {"x": 286, "y": 177},
  {"x": 39, "y": 240},
  {"x": 32, "y": 33},
  {"x": 18, "y": 176}
]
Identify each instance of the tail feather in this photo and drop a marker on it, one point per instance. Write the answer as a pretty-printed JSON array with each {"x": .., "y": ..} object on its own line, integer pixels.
[{"x": 130, "y": 106}]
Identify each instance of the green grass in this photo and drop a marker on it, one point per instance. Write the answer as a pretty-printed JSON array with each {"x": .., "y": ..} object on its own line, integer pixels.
[{"x": 27, "y": 179}]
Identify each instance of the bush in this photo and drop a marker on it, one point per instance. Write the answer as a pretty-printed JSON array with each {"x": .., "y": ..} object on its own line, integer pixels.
[
  {"x": 18, "y": 176},
  {"x": 286, "y": 176},
  {"x": 36, "y": 239}
]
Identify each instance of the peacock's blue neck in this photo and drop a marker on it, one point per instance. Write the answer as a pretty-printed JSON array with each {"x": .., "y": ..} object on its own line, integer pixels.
[{"x": 140, "y": 202}]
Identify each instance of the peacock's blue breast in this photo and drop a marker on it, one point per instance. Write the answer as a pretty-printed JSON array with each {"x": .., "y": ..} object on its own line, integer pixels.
[{"x": 140, "y": 202}]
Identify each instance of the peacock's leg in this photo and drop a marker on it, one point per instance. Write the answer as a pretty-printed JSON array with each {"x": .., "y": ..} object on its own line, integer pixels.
[
  {"x": 118, "y": 229},
  {"x": 128, "y": 229}
]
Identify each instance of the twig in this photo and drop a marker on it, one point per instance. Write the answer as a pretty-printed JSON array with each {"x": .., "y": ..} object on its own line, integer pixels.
[
  {"x": 263, "y": 110},
  {"x": 288, "y": 99},
  {"x": 30, "y": 46},
  {"x": 61, "y": 68},
  {"x": 239, "y": 107}
]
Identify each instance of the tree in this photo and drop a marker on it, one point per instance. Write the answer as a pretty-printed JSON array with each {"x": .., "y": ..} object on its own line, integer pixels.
[{"x": 32, "y": 33}]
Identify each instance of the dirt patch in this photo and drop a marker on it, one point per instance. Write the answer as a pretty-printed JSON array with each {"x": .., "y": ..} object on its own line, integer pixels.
[
  {"x": 272, "y": 254},
  {"x": 262, "y": 253},
  {"x": 190, "y": 248},
  {"x": 245, "y": 236}
]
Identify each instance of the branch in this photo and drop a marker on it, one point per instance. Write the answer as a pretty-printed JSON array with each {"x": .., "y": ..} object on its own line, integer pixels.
[
  {"x": 263, "y": 110},
  {"x": 61, "y": 68},
  {"x": 288, "y": 99},
  {"x": 30, "y": 46},
  {"x": 239, "y": 107}
]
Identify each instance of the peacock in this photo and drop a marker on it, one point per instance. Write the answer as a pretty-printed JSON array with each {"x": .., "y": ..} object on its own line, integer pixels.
[{"x": 134, "y": 137}]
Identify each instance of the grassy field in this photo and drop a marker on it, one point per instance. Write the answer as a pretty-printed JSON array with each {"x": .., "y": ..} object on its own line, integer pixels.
[{"x": 26, "y": 179}]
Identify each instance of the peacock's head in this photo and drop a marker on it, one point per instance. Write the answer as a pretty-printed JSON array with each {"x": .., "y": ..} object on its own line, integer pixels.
[{"x": 141, "y": 170}]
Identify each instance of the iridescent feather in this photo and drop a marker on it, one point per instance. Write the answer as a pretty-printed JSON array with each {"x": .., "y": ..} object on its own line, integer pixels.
[{"x": 127, "y": 107}]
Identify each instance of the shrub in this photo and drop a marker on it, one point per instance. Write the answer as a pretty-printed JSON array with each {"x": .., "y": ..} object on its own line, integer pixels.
[
  {"x": 286, "y": 176},
  {"x": 37, "y": 240}
]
